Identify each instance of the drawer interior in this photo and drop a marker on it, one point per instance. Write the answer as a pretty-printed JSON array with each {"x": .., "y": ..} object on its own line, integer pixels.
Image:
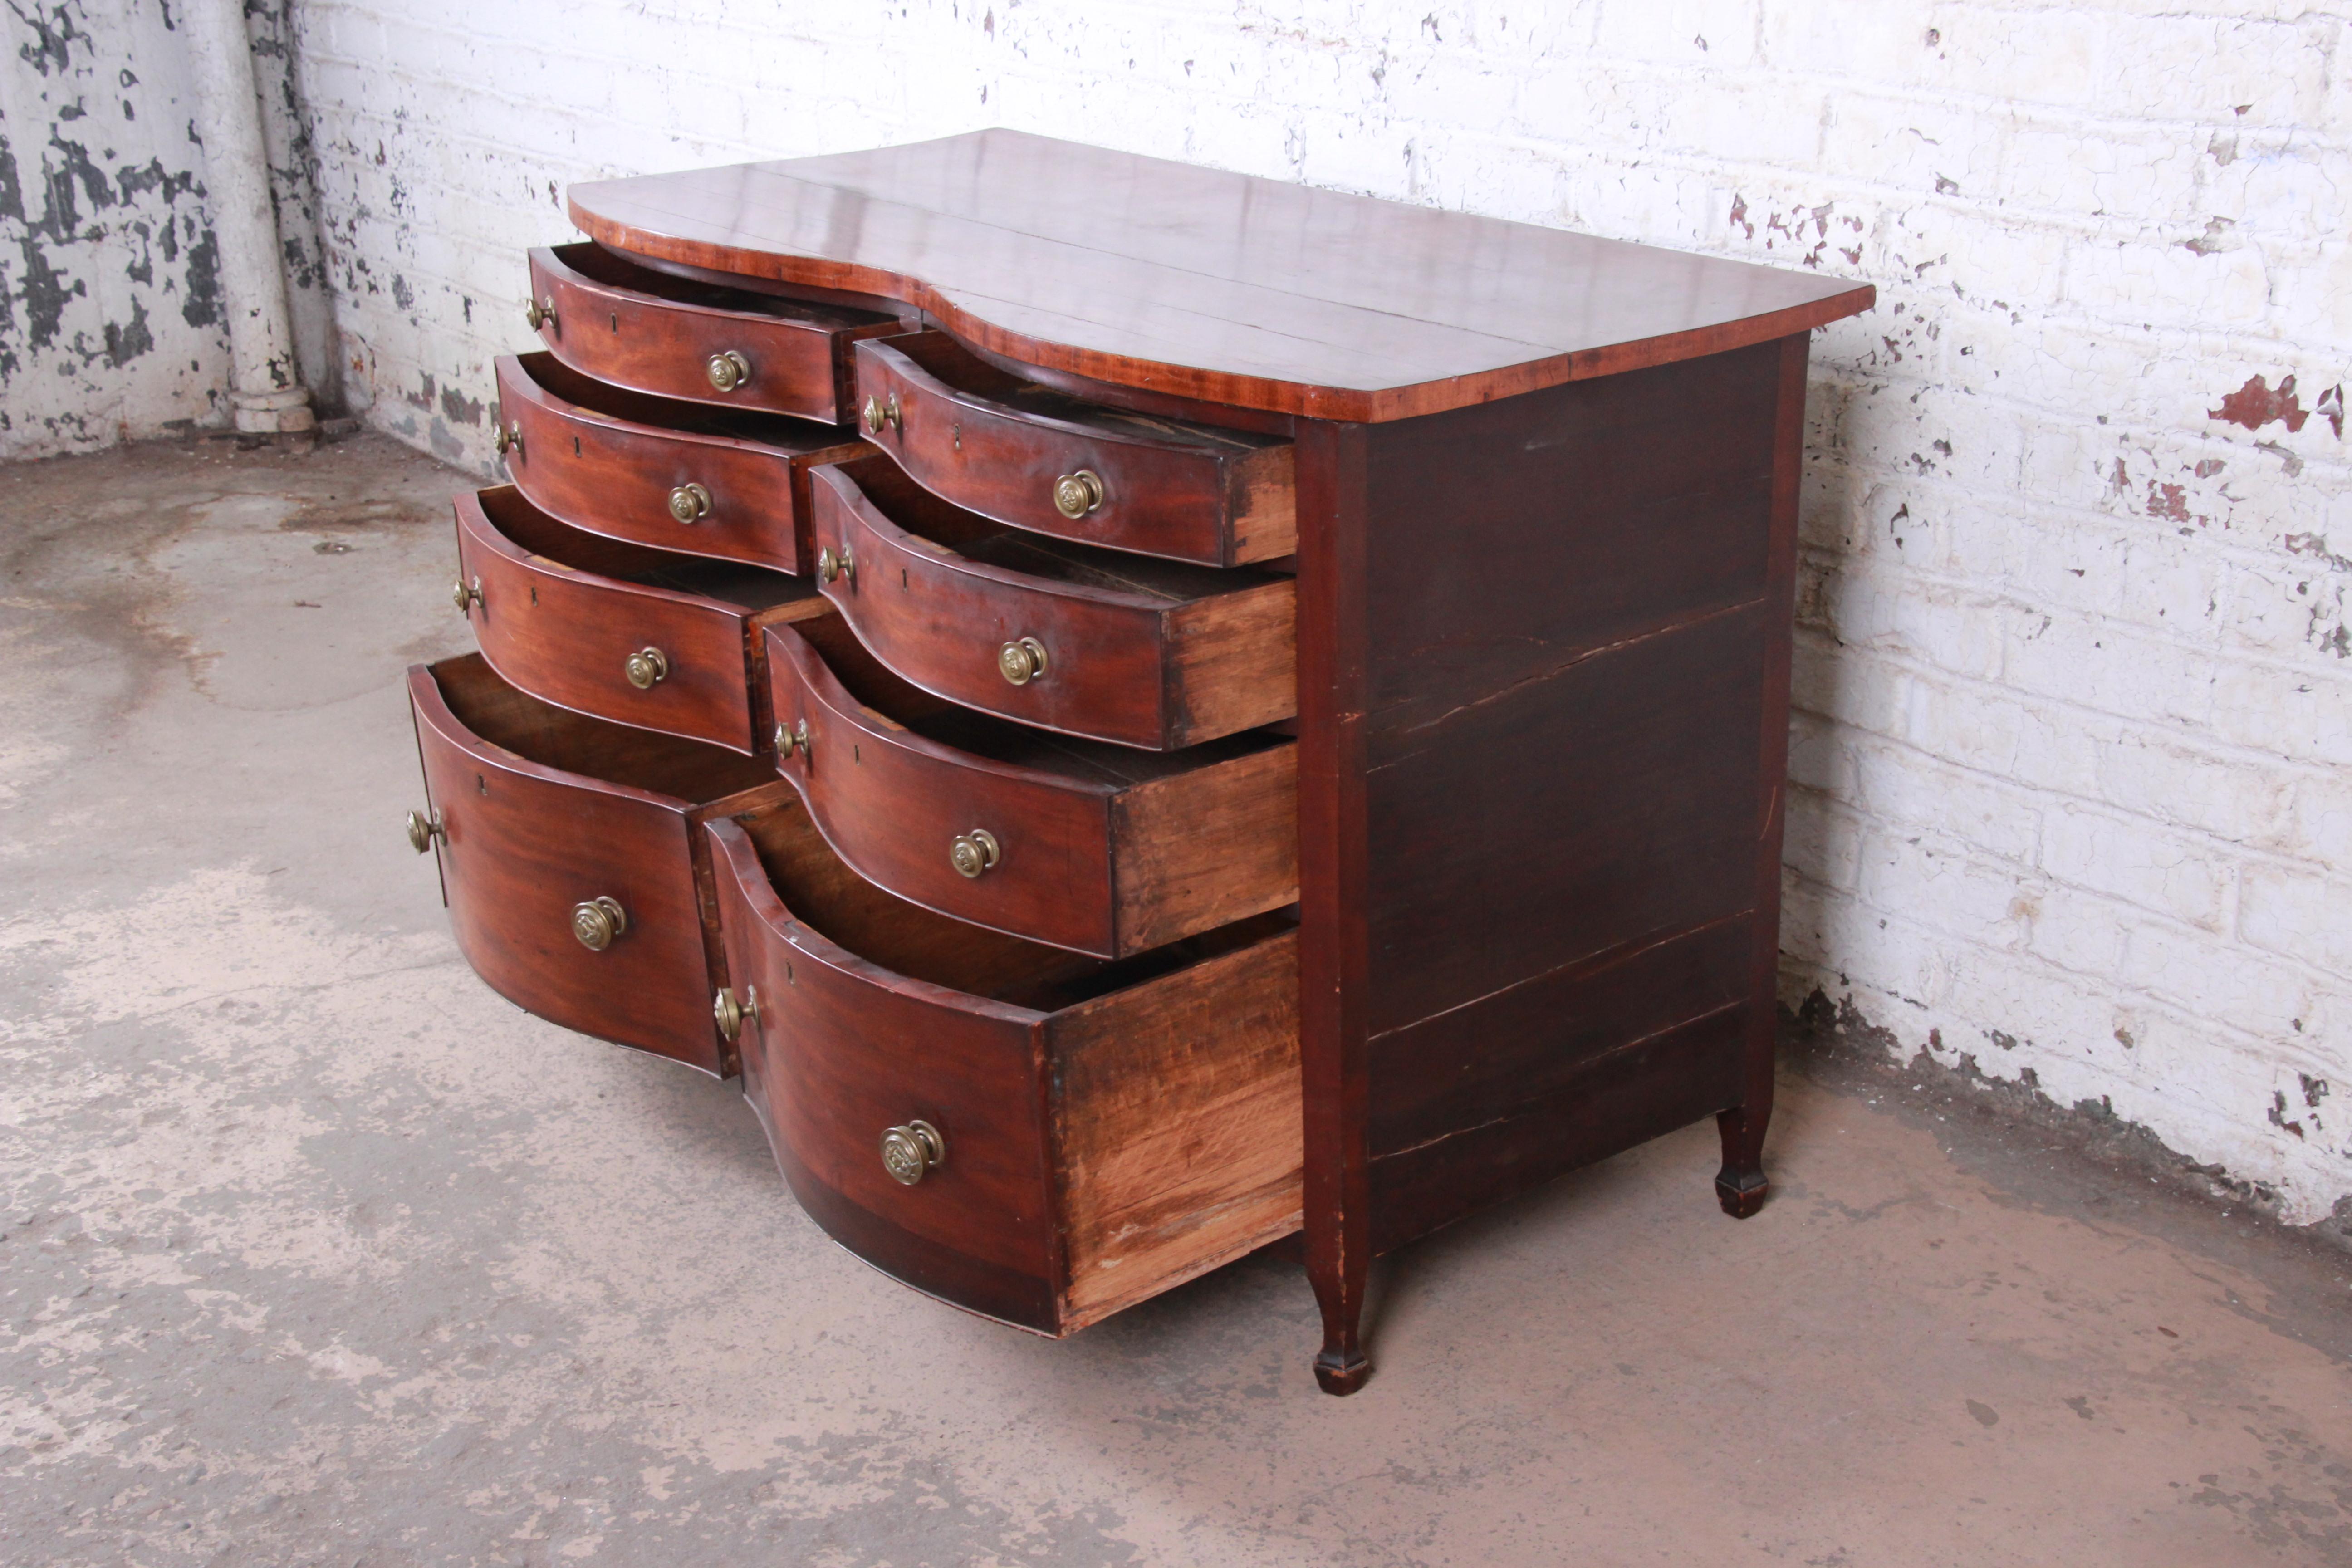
[
  {"x": 553, "y": 376},
  {"x": 593, "y": 261},
  {"x": 879, "y": 689},
  {"x": 558, "y": 738},
  {"x": 825, "y": 895},
  {"x": 951, "y": 365},
  {"x": 976, "y": 537},
  {"x": 751, "y": 588}
]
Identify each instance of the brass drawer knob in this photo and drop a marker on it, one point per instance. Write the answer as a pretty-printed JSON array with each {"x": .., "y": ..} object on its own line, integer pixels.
[
  {"x": 974, "y": 852},
  {"x": 830, "y": 565},
  {"x": 1022, "y": 662},
  {"x": 423, "y": 830},
  {"x": 466, "y": 598},
  {"x": 729, "y": 1013},
  {"x": 1075, "y": 495},
  {"x": 645, "y": 667},
  {"x": 912, "y": 1151},
  {"x": 728, "y": 370},
  {"x": 507, "y": 439},
  {"x": 790, "y": 740},
  {"x": 878, "y": 414},
  {"x": 598, "y": 921},
  {"x": 689, "y": 502},
  {"x": 539, "y": 312}
]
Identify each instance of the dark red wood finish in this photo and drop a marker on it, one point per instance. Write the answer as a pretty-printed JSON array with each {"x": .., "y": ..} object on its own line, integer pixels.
[
  {"x": 1569, "y": 774},
  {"x": 562, "y": 611},
  {"x": 652, "y": 333},
  {"x": 608, "y": 460},
  {"x": 524, "y": 842},
  {"x": 1221, "y": 287},
  {"x": 1038, "y": 1068},
  {"x": 1142, "y": 652},
  {"x": 1103, "y": 849},
  {"x": 997, "y": 445}
]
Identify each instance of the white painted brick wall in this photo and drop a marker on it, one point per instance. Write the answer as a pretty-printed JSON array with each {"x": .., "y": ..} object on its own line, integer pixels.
[{"x": 2073, "y": 766}]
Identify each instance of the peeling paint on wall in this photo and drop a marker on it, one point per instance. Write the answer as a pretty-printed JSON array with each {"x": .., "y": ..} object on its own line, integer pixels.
[{"x": 109, "y": 314}]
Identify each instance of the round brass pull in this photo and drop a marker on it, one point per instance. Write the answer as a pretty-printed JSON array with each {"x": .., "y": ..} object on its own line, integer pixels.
[
  {"x": 974, "y": 852},
  {"x": 646, "y": 667},
  {"x": 1021, "y": 662},
  {"x": 508, "y": 439},
  {"x": 875, "y": 417},
  {"x": 830, "y": 565},
  {"x": 423, "y": 830},
  {"x": 728, "y": 369},
  {"x": 912, "y": 1151},
  {"x": 1075, "y": 495},
  {"x": 729, "y": 1013},
  {"x": 789, "y": 741},
  {"x": 466, "y": 598},
  {"x": 689, "y": 502},
  {"x": 598, "y": 921},
  {"x": 540, "y": 314}
]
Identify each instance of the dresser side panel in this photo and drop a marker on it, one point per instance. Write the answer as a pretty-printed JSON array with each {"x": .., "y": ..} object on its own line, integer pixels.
[{"x": 1569, "y": 595}]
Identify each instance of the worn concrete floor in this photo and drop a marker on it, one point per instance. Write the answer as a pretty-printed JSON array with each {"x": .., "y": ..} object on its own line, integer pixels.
[{"x": 317, "y": 1252}]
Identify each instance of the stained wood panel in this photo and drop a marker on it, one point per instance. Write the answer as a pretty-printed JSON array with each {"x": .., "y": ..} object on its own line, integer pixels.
[
  {"x": 607, "y": 460},
  {"x": 998, "y": 444},
  {"x": 1103, "y": 849},
  {"x": 525, "y": 842},
  {"x": 1209, "y": 285},
  {"x": 652, "y": 333}
]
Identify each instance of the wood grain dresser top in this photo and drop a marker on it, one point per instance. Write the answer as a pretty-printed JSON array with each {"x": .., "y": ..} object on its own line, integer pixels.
[{"x": 1221, "y": 287}]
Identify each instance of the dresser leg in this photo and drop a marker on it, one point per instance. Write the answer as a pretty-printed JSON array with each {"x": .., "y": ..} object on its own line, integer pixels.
[
  {"x": 1740, "y": 1185},
  {"x": 1342, "y": 1367}
]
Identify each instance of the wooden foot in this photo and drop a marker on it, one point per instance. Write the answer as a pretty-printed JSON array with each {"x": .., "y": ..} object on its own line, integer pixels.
[
  {"x": 1342, "y": 1372},
  {"x": 1741, "y": 1193},
  {"x": 1740, "y": 1185}
]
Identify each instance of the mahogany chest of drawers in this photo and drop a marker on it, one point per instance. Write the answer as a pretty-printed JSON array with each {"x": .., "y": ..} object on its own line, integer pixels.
[{"x": 1143, "y": 712}]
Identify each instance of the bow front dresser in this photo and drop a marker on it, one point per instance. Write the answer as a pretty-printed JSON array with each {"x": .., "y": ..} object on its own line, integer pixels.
[{"x": 1143, "y": 712}]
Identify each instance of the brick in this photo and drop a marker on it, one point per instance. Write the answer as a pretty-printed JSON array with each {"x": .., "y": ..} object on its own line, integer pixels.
[
  {"x": 2187, "y": 879},
  {"x": 2300, "y": 914}
]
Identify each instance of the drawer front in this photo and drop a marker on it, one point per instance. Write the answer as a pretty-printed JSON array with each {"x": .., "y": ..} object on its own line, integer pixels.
[
  {"x": 734, "y": 500},
  {"x": 567, "y": 638},
  {"x": 638, "y": 339},
  {"x": 893, "y": 804},
  {"x": 942, "y": 622},
  {"x": 1111, "y": 481},
  {"x": 524, "y": 847},
  {"x": 841, "y": 1051}
]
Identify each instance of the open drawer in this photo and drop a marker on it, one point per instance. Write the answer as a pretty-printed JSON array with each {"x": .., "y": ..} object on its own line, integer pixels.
[
  {"x": 1093, "y": 642},
  {"x": 1101, "y": 848},
  {"x": 634, "y": 634},
  {"x": 607, "y": 317},
  {"x": 1032, "y": 1135},
  {"x": 677, "y": 476},
  {"x": 567, "y": 850},
  {"x": 1041, "y": 459}
]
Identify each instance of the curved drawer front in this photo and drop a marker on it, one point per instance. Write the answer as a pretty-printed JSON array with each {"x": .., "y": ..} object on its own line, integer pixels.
[
  {"x": 1095, "y": 848},
  {"x": 1045, "y": 461},
  {"x": 524, "y": 846},
  {"x": 1103, "y": 1132},
  {"x": 697, "y": 493},
  {"x": 893, "y": 804},
  {"x": 841, "y": 1051},
  {"x": 1135, "y": 667},
  {"x": 650, "y": 332},
  {"x": 567, "y": 637}
]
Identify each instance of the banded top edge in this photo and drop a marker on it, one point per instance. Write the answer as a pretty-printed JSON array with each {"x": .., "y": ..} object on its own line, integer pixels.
[{"x": 1198, "y": 283}]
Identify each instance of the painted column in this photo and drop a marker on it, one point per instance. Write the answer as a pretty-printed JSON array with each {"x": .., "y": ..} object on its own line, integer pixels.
[{"x": 266, "y": 391}]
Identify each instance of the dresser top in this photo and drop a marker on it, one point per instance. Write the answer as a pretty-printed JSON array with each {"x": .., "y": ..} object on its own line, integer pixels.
[{"x": 1225, "y": 288}]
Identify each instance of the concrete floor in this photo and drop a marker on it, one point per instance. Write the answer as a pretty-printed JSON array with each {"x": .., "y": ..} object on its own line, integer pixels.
[{"x": 316, "y": 1251}]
